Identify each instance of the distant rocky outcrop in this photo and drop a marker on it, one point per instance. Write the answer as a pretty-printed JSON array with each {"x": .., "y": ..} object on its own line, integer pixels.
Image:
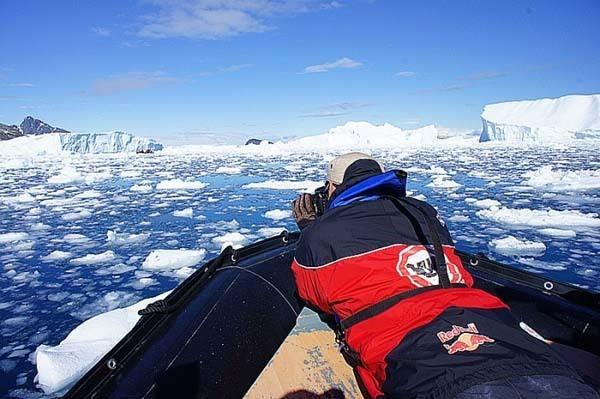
[
  {"x": 257, "y": 142},
  {"x": 29, "y": 126},
  {"x": 33, "y": 126},
  {"x": 8, "y": 132}
]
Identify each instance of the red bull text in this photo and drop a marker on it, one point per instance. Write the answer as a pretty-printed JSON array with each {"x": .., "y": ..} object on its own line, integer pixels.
[{"x": 467, "y": 338}]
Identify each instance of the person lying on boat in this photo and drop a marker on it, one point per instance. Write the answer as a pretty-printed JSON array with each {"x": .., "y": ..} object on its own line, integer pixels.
[{"x": 381, "y": 269}]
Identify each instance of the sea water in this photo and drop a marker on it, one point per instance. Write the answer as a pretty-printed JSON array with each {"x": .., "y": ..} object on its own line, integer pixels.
[{"x": 534, "y": 208}]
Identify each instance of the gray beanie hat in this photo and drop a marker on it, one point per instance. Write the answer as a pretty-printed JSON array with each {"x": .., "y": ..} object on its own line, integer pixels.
[{"x": 337, "y": 167}]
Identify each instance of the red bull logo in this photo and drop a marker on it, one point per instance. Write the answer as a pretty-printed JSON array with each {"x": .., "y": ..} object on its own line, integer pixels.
[{"x": 468, "y": 339}]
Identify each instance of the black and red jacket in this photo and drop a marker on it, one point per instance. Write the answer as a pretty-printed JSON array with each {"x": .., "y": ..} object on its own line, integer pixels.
[{"x": 434, "y": 344}]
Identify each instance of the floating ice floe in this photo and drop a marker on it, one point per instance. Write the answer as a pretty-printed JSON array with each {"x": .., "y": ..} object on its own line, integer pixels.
[
  {"x": 229, "y": 170},
  {"x": 114, "y": 270},
  {"x": 539, "y": 264},
  {"x": 72, "y": 216},
  {"x": 184, "y": 213},
  {"x": 568, "y": 219},
  {"x": 169, "y": 259},
  {"x": 444, "y": 183},
  {"x": 278, "y": 214},
  {"x": 141, "y": 188},
  {"x": 486, "y": 204},
  {"x": 40, "y": 227},
  {"x": 512, "y": 246},
  {"x": 304, "y": 186},
  {"x": 270, "y": 231},
  {"x": 178, "y": 184},
  {"x": 115, "y": 238},
  {"x": 143, "y": 282},
  {"x": 128, "y": 174},
  {"x": 57, "y": 256},
  {"x": 67, "y": 175},
  {"x": 97, "y": 176},
  {"x": 15, "y": 163},
  {"x": 62, "y": 365},
  {"x": 234, "y": 239},
  {"x": 558, "y": 233},
  {"x": 94, "y": 259},
  {"x": 75, "y": 238},
  {"x": 13, "y": 237},
  {"x": 459, "y": 218},
  {"x": 22, "y": 198},
  {"x": 551, "y": 180}
]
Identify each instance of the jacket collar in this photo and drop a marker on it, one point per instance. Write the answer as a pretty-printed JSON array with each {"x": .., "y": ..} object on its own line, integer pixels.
[{"x": 372, "y": 187}]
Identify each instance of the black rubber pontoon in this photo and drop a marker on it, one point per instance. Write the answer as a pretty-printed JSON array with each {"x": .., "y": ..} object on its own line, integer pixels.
[
  {"x": 214, "y": 334},
  {"x": 211, "y": 337}
]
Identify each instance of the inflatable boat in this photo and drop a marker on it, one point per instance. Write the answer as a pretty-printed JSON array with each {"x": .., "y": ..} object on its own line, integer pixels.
[{"x": 215, "y": 336}]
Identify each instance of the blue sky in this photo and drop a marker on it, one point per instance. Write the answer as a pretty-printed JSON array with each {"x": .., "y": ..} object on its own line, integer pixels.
[{"x": 225, "y": 70}]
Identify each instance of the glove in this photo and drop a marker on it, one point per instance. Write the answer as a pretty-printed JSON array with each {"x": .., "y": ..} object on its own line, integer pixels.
[{"x": 304, "y": 210}]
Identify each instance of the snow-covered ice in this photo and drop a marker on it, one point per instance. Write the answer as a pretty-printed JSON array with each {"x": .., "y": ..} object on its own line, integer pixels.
[
  {"x": 229, "y": 170},
  {"x": 442, "y": 182},
  {"x": 141, "y": 188},
  {"x": 184, "y": 213},
  {"x": 167, "y": 259},
  {"x": 234, "y": 239},
  {"x": 558, "y": 233},
  {"x": 270, "y": 231},
  {"x": 303, "y": 186},
  {"x": 62, "y": 365},
  {"x": 116, "y": 238},
  {"x": 12, "y": 237},
  {"x": 486, "y": 203},
  {"x": 94, "y": 259},
  {"x": 65, "y": 143},
  {"x": 178, "y": 184},
  {"x": 547, "y": 179},
  {"x": 57, "y": 256},
  {"x": 278, "y": 214},
  {"x": 550, "y": 218},
  {"x": 549, "y": 119},
  {"x": 71, "y": 216},
  {"x": 512, "y": 246}
]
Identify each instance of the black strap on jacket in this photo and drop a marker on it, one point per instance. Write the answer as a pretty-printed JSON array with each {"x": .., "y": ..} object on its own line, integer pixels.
[{"x": 439, "y": 265}]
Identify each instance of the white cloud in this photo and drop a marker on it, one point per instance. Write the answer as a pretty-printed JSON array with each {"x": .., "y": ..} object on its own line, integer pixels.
[
  {"x": 131, "y": 81},
  {"x": 20, "y": 85},
  {"x": 337, "y": 109},
  {"x": 484, "y": 76},
  {"x": 447, "y": 88},
  {"x": 237, "y": 67},
  {"x": 343, "y": 63},
  {"x": 215, "y": 19},
  {"x": 100, "y": 31},
  {"x": 405, "y": 74}
]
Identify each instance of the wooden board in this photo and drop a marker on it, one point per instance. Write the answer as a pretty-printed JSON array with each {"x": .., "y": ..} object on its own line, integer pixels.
[{"x": 307, "y": 365}]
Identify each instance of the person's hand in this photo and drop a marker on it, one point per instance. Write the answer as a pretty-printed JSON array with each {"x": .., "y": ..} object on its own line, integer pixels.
[{"x": 304, "y": 210}]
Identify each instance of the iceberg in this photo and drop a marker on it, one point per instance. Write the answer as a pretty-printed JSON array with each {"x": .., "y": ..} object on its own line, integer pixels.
[
  {"x": 366, "y": 135},
  {"x": 107, "y": 143},
  {"x": 546, "y": 120},
  {"x": 80, "y": 143},
  {"x": 349, "y": 136}
]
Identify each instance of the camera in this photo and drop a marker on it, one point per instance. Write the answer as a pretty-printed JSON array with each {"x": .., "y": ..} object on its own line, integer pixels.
[{"x": 319, "y": 200}]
